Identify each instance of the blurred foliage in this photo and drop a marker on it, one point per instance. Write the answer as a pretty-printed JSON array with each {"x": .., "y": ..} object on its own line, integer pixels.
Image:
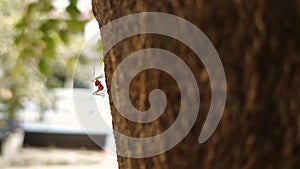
[{"x": 38, "y": 50}]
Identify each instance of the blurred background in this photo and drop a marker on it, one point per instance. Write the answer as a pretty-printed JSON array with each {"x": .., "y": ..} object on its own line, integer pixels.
[{"x": 42, "y": 42}]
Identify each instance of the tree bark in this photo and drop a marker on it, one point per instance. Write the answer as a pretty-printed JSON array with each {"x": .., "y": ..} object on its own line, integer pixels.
[{"x": 258, "y": 42}]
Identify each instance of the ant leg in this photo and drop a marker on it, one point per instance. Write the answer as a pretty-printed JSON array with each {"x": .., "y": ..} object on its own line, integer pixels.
[
  {"x": 101, "y": 94},
  {"x": 101, "y": 76},
  {"x": 96, "y": 92}
]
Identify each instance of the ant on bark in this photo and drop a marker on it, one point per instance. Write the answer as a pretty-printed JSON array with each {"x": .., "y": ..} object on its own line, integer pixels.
[{"x": 97, "y": 82}]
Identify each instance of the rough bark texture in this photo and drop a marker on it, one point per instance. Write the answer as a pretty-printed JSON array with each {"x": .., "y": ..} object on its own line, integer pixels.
[{"x": 259, "y": 44}]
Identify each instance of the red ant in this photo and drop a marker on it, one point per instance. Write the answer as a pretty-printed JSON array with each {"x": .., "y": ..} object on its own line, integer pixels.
[{"x": 98, "y": 84}]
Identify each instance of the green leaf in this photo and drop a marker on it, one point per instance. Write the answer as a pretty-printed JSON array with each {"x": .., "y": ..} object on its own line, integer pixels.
[
  {"x": 20, "y": 40},
  {"x": 73, "y": 2},
  {"x": 50, "y": 25},
  {"x": 75, "y": 26},
  {"x": 72, "y": 9},
  {"x": 32, "y": 8},
  {"x": 65, "y": 36},
  {"x": 44, "y": 68},
  {"x": 27, "y": 53},
  {"x": 22, "y": 24},
  {"x": 46, "y": 5},
  {"x": 49, "y": 51}
]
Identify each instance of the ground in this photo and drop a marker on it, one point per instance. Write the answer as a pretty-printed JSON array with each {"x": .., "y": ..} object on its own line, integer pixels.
[{"x": 53, "y": 158}]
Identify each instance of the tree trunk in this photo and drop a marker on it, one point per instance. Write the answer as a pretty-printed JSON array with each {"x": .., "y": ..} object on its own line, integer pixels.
[{"x": 258, "y": 43}]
